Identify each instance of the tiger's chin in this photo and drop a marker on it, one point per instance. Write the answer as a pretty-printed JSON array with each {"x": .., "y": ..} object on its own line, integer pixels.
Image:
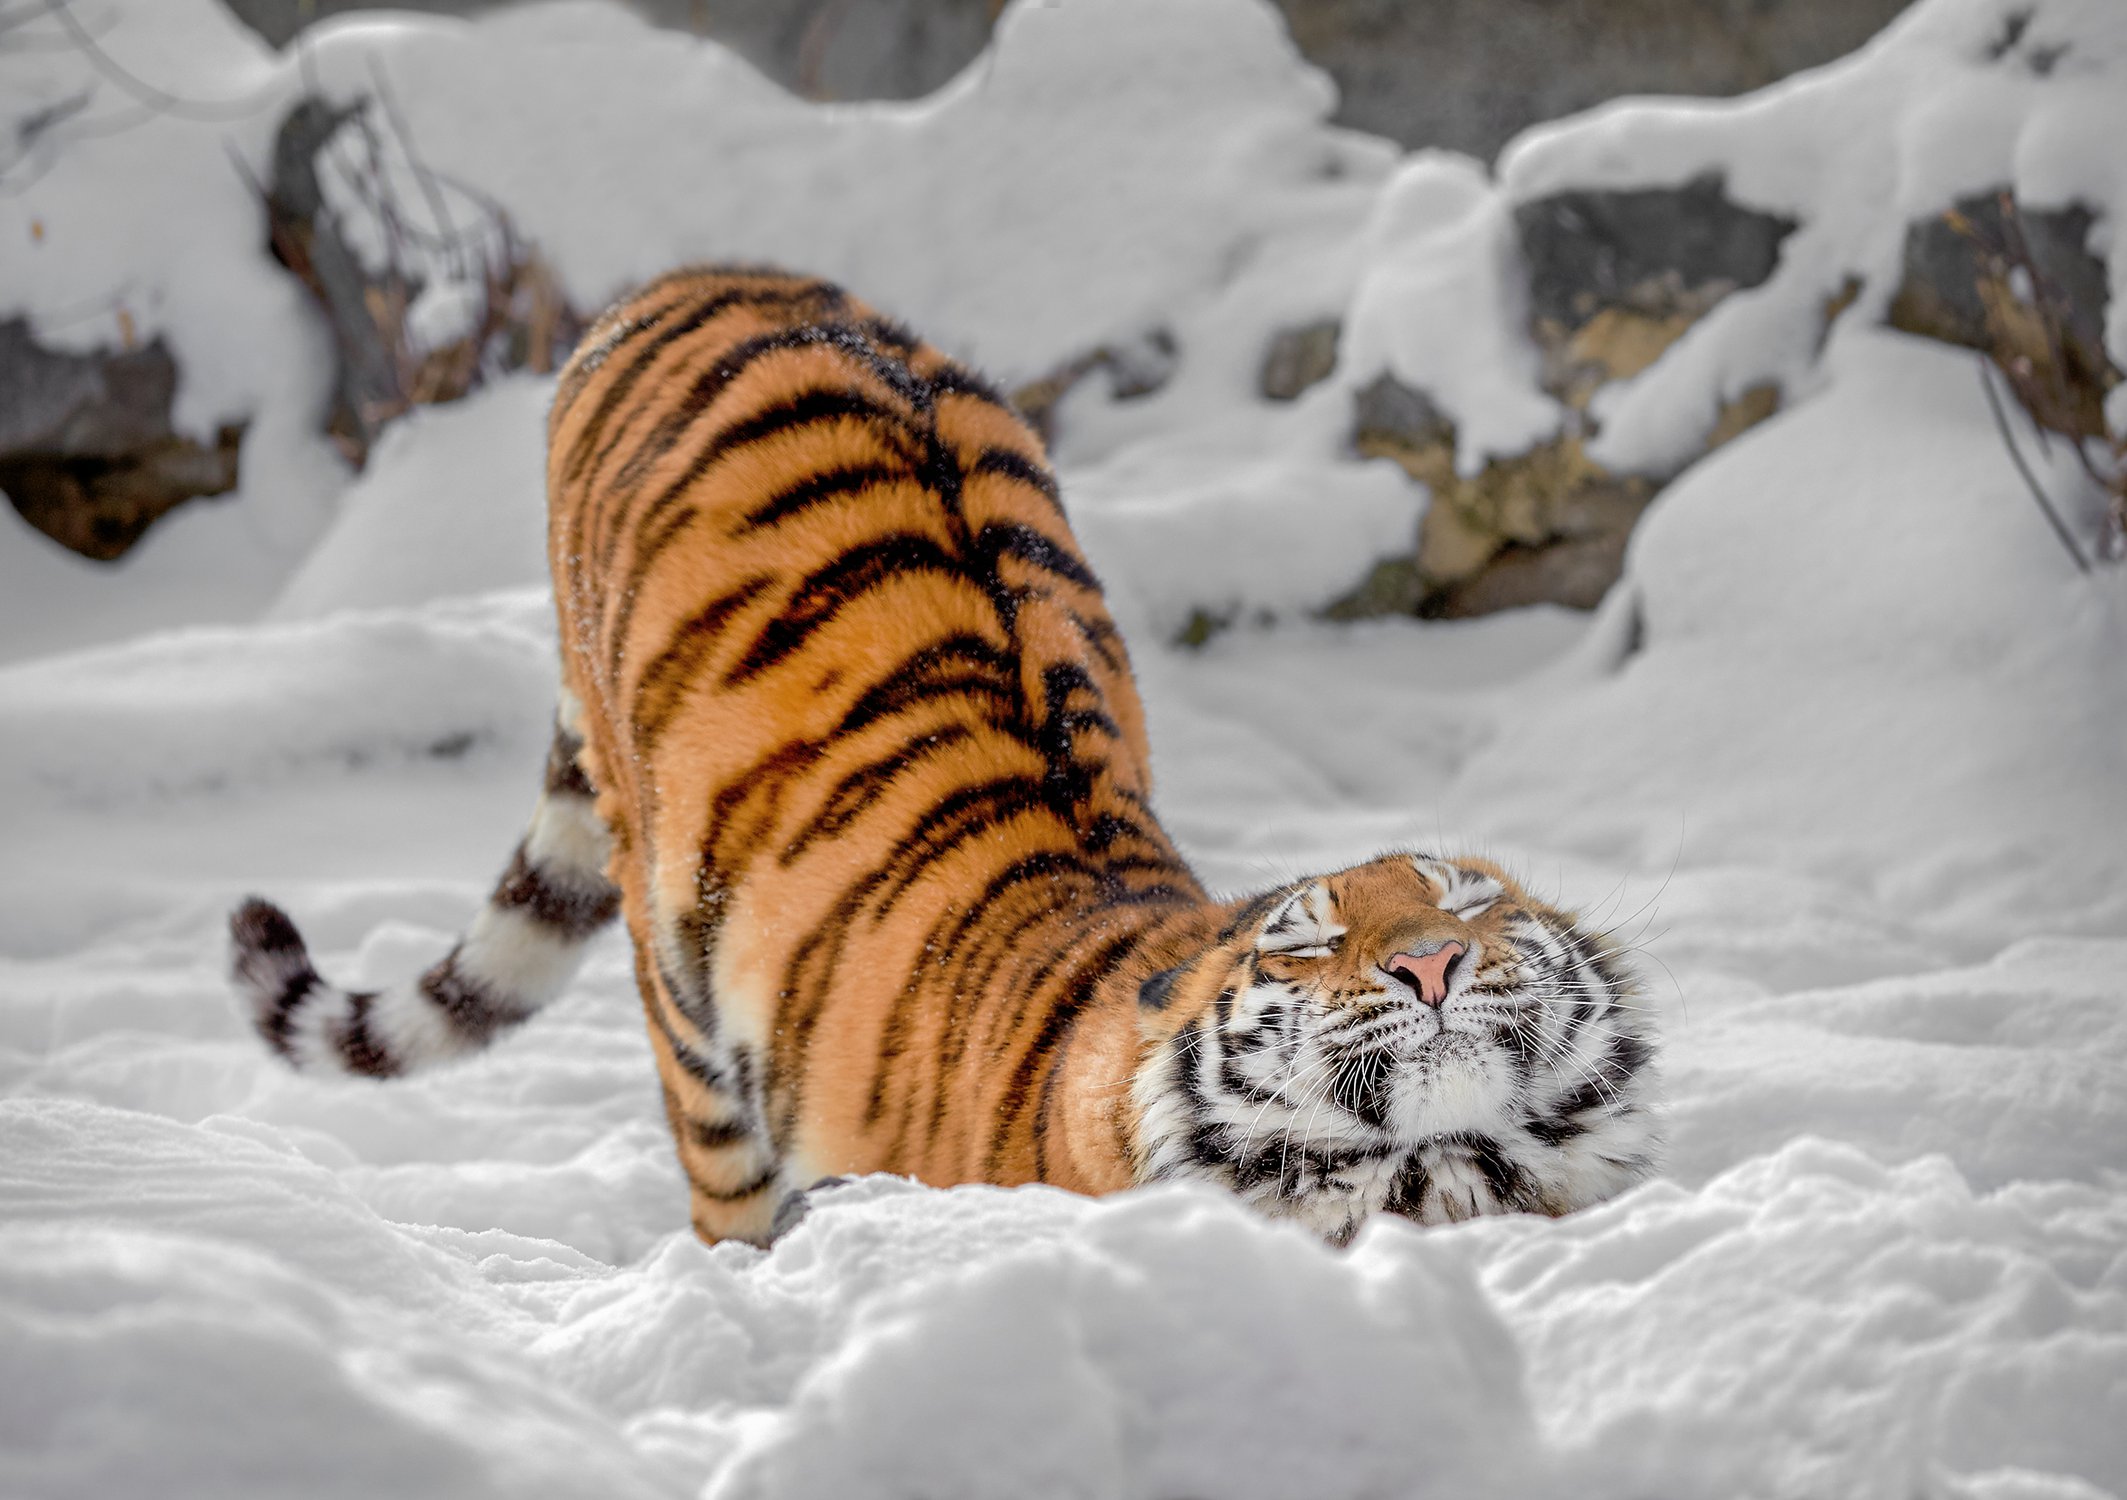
[
  {"x": 1458, "y": 1146},
  {"x": 1477, "y": 1164},
  {"x": 1452, "y": 1083}
]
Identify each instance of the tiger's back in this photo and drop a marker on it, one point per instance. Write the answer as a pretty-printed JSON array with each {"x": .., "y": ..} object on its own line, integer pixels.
[{"x": 867, "y": 742}]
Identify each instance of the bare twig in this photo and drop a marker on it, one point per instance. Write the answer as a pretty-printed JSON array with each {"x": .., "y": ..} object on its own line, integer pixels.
[
  {"x": 2016, "y": 456},
  {"x": 430, "y": 189}
]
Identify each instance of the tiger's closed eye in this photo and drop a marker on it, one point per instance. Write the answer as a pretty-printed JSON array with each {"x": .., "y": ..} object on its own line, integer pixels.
[{"x": 1303, "y": 947}]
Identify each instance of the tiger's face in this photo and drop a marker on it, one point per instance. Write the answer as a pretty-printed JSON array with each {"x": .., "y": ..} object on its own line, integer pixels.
[{"x": 1414, "y": 1036}]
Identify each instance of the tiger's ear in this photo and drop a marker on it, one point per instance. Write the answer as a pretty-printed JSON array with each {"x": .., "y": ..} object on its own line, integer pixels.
[
  {"x": 1154, "y": 993},
  {"x": 1166, "y": 1001}
]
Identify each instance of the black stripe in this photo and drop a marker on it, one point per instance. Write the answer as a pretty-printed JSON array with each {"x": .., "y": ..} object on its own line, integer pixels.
[
  {"x": 266, "y": 940},
  {"x": 1161, "y": 893},
  {"x": 651, "y": 544},
  {"x": 1207, "y": 1144},
  {"x": 999, "y": 539},
  {"x": 1627, "y": 1055},
  {"x": 620, "y": 324},
  {"x": 897, "y": 337},
  {"x": 691, "y": 995},
  {"x": 1017, "y": 466},
  {"x": 1106, "y": 828},
  {"x": 564, "y": 770},
  {"x": 1511, "y": 1187},
  {"x": 680, "y": 416},
  {"x": 360, "y": 1049},
  {"x": 1555, "y": 1130},
  {"x": 276, "y": 1020},
  {"x": 965, "y": 813},
  {"x": 806, "y": 409},
  {"x": 1069, "y": 780},
  {"x": 664, "y": 683},
  {"x": 624, "y": 382},
  {"x": 573, "y": 908},
  {"x": 861, "y": 787},
  {"x": 730, "y": 841},
  {"x": 1056, "y": 1029},
  {"x": 475, "y": 1009},
  {"x": 716, "y": 1135},
  {"x": 816, "y": 489},
  {"x": 960, "y": 663},
  {"x": 815, "y": 602},
  {"x": 1240, "y": 1085},
  {"x": 1104, "y": 640},
  {"x": 761, "y": 1179},
  {"x": 1406, "y": 1195},
  {"x": 692, "y": 1063},
  {"x": 1250, "y": 913},
  {"x": 955, "y": 379}
]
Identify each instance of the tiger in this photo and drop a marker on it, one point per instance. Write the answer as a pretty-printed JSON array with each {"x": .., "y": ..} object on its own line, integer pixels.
[{"x": 848, "y": 739}]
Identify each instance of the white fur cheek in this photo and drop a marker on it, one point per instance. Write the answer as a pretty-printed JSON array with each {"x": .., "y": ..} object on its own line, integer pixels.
[
  {"x": 1627, "y": 1148},
  {"x": 1166, "y": 1122}
]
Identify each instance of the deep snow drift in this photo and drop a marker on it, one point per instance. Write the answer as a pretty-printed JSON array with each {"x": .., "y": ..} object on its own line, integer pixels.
[{"x": 1843, "y": 755}]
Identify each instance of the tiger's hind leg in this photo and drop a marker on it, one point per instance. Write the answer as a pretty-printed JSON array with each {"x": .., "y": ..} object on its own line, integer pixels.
[
  {"x": 519, "y": 953},
  {"x": 712, "y": 1100}
]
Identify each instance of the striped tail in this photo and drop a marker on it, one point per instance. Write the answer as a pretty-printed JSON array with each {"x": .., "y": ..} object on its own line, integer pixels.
[{"x": 520, "y": 952}]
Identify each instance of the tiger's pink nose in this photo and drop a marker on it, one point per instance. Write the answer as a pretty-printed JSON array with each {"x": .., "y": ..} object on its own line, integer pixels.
[{"x": 1426, "y": 973}]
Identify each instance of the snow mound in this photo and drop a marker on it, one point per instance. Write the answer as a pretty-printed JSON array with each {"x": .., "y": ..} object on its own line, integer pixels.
[{"x": 438, "y": 514}]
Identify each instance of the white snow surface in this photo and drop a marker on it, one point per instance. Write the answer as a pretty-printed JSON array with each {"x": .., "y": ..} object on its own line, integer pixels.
[{"x": 1844, "y": 759}]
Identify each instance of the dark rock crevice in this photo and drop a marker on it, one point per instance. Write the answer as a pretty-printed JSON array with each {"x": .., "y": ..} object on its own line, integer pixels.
[{"x": 88, "y": 452}]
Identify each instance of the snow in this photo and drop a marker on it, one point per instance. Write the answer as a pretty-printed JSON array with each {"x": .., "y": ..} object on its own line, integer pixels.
[
  {"x": 1841, "y": 757},
  {"x": 1440, "y": 306},
  {"x": 469, "y": 479}
]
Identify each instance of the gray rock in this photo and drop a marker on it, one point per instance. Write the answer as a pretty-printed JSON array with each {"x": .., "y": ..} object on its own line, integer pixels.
[
  {"x": 1641, "y": 248},
  {"x": 1386, "y": 411},
  {"x": 1951, "y": 257},
  {"x": 1298, "y": 358}
]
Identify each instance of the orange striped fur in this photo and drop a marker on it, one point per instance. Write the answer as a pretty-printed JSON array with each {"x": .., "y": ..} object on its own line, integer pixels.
[
  {"x": 869, "y": 744},
  {"x": 872, "y": 794}
]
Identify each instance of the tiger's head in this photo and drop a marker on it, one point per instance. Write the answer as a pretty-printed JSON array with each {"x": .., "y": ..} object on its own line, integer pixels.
[{"x": 1414, "y": 1036}]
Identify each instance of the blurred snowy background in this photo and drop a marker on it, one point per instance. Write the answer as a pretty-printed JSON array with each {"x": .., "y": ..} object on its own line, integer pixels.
[{"x": 1713, "y": 508}]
